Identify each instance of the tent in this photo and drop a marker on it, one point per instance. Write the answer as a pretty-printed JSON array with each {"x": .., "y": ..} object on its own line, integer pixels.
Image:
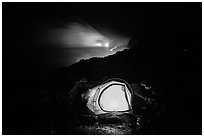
[{"x": 112, "y": 96}]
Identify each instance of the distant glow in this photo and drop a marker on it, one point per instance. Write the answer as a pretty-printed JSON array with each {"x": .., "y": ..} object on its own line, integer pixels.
[
  {"x": 113, "y": 48},
  {"x": 106, "y": 44},
  {"x": 77, "y": 35},
  {"x": 102, "y": 44},
  {"x": 99, "y": 44},
  {"x": 75, "y": 41}
]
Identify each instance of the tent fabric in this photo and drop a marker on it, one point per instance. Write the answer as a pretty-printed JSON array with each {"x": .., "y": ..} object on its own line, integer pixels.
[
  {"x": 114, "y": 99},
  {"x": 113, "y": 95}
]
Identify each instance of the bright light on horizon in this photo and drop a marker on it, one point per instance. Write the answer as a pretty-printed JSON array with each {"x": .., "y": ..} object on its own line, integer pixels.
[
  {"x": 106, "y": 45},
  {"x": 99, "y": 44},
  {"x": 76, "y": 41}
]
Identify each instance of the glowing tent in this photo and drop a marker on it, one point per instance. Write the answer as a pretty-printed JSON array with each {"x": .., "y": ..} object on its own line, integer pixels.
[{"x": 112, "y": 96}]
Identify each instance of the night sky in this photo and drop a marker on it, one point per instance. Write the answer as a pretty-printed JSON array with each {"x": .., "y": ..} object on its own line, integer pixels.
[{"x": 34, "y": 34}]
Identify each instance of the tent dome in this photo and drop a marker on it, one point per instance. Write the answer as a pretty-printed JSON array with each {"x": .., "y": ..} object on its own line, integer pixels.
[{"x": 113, "y": 95}]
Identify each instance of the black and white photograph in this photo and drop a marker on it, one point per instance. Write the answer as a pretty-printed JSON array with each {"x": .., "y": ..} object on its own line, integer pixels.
[{"x": 101, "y": 68}]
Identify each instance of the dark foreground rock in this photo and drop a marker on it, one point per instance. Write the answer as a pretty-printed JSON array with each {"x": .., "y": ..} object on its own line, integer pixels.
[{"x": 163, "y": 81}]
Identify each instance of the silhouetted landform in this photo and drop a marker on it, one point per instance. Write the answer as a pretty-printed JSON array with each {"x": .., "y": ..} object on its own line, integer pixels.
[
  {"x": 129, "y": 65},
  {"x": 172, "y": 73}
]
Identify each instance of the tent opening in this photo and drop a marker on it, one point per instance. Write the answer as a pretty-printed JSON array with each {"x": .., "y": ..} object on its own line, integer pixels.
[{"x": 114, "y": 98}]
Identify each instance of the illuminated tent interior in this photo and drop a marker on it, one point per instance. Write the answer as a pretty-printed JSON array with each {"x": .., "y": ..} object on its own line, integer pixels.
[
  {"x": 112, "y": 96},
  {"x": 114, "y": 99}
]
